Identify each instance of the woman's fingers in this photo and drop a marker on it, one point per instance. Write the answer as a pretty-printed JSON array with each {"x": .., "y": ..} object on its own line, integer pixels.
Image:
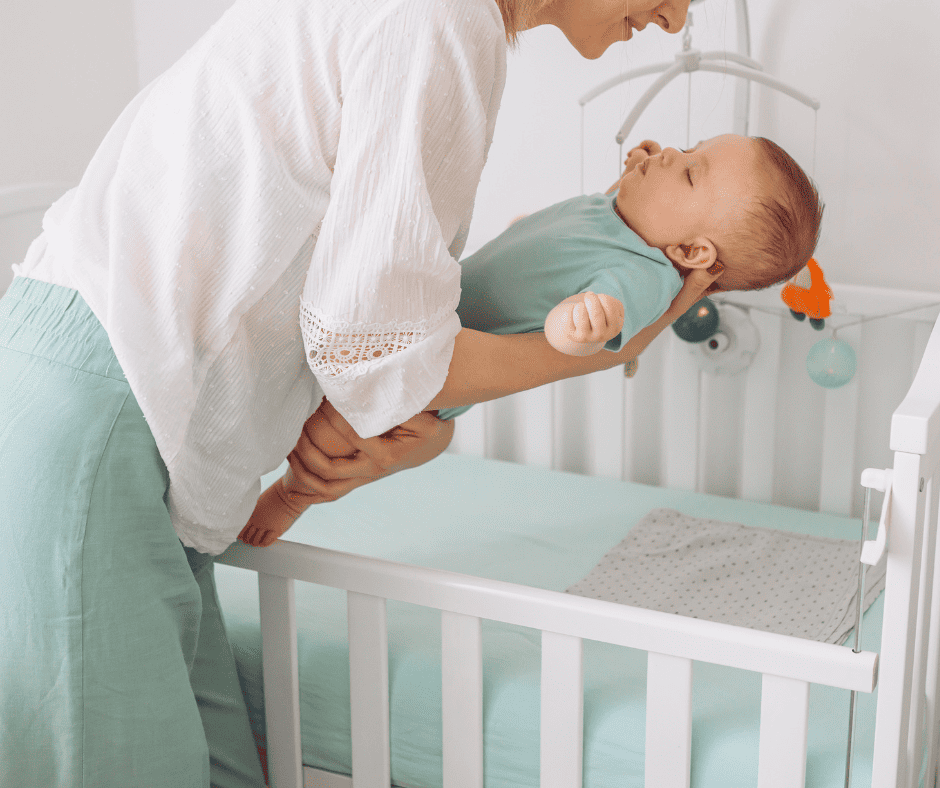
[
  {"x": 313, "y": 477},
  {"x": 405, "y": 446},
  {"x": 307, "y": 486},
  {"x": 319, "y": 430},
  {"x": 693, "y": 289},
  {"x": 319, "y": 465}
]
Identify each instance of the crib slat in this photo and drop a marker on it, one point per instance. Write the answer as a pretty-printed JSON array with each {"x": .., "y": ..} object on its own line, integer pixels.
[
  {"x": 760, "y": 411},
  {"x": 838, "y": 477},
  {"x": 627, "y": 429},
  {"x": 784, "y": 719},
  {"x": 470, "y": 433},
  {"x": 562, "y": 714},
  {"x": 603, "y": 414},
  {"x": 462, "y": 700},
  {"x": 681, "y": 417},
  {"x": 281, "y": 682},
  {"x": 933, "y": 648},
  {"x": 368, "y": 691},
  {"x": 536, "y": 412},
  {"x": 668, "y": 721}
]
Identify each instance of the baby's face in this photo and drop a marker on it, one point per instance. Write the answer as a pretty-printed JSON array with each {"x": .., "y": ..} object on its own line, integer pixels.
[{"x": 677, "y": 196}]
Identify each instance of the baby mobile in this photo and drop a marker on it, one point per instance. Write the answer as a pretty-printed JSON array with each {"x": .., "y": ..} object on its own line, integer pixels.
[
  {"x": 831, "y": 363},
  {"x": 727, "y": 340}
]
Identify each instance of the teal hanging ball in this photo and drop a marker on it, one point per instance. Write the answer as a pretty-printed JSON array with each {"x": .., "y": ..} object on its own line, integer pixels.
[
  {"x": 698, "y": 323},
  {"x": 831, "y": 363}
]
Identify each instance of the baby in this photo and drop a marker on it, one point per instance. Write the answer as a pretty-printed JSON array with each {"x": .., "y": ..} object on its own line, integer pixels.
[{"x": 594, "y": 270}]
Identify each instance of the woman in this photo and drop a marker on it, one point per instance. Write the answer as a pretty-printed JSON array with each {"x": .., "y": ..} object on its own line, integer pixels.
[{"x": 276, "y": 217}]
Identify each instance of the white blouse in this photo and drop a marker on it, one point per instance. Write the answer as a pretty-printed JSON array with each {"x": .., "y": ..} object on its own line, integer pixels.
[{"x": 278, "y": 217}]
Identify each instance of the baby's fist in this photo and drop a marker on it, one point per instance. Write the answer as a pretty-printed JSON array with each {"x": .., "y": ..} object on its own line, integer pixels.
[
  {"x": 641, "y": 153},
  {"x": 581, "y": 324}
]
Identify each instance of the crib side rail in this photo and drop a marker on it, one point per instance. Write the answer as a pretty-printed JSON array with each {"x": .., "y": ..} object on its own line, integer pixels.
[
  {"x": 788, "y": 666},
  {"x": 633, "y": 627}
]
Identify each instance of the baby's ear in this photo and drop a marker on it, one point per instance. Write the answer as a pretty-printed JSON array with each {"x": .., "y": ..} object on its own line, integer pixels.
[{"x": 701, "y": 253}]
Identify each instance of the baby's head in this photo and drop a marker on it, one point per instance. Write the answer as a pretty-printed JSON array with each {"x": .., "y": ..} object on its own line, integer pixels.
[{"x": 742, "y": 201}]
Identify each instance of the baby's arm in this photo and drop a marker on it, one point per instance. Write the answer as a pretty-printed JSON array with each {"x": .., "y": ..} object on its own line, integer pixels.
[
  {"x": 582, "y": 324},
  {"x": 284, "y": 501}
]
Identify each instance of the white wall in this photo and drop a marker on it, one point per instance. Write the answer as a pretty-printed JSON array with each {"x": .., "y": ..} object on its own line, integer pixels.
[
  {"x": 67, "y": 69},
  {"x": 165, "y": 29}
]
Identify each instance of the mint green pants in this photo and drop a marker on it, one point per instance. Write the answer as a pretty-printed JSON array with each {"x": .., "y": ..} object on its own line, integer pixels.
[{"x": 115, "y": 669}]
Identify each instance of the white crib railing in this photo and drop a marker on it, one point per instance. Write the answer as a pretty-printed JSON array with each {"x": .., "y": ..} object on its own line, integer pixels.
[{"x": 789, "y": 665}]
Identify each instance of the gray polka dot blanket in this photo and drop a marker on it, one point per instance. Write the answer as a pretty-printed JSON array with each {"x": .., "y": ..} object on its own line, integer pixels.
[{"x": 775, "y": 581}]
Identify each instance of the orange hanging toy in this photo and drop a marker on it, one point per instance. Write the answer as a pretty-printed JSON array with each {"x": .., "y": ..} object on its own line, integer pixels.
[{"x": 808, "y": 299}]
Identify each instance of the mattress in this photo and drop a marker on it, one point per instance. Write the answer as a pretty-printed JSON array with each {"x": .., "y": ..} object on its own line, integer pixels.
[{"x": 545, "y": 529}]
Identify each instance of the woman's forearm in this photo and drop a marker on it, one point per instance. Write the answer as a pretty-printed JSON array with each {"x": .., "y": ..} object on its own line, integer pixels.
[{"x": 487, "y": 366}]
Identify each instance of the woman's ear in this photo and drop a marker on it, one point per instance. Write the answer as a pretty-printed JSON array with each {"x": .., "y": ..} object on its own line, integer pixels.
[{"x": 701, "y": 253}]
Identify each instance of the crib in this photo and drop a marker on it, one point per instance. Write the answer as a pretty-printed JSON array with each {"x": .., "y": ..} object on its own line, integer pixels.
[{"x": 904, "y": 668}]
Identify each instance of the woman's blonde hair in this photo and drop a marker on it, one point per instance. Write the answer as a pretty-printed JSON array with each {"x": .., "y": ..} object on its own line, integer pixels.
[{"x": 517, "y": 16}]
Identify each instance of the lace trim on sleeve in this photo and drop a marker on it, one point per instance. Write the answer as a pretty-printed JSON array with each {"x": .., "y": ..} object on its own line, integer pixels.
[{"x": 334, "y": 347}]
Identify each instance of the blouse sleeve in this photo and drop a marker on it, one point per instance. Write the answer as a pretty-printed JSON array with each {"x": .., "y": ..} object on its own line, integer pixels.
[{"x": 420, "y": 92}]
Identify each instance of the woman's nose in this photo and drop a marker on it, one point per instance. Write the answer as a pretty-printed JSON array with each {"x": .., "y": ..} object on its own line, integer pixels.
[{"x": 670, "y": 16}]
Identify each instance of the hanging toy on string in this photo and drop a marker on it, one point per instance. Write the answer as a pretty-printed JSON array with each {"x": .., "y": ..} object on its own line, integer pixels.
[
  {"x": 831, "y": 362},
  {"x": 808, "y": 295}
]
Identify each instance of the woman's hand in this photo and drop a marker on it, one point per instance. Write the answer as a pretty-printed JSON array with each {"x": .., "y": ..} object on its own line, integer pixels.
[{"x": 315, "y": 477}]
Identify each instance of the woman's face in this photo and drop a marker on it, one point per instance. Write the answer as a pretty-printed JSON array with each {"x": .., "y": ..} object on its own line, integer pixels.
[{"x": 593, "y": 25}]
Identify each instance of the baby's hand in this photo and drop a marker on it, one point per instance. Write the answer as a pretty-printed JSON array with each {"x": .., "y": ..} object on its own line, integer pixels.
[
  {"x": 580, "y": 325},
  {"x": 640, "y": 154}
]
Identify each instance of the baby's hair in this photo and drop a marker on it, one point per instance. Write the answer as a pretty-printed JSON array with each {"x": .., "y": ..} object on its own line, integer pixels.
[{"x": 781, "y": 230}]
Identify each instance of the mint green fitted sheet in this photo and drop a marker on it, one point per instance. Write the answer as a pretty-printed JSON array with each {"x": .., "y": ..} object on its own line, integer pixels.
[{"x": 545, "y": 529}]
